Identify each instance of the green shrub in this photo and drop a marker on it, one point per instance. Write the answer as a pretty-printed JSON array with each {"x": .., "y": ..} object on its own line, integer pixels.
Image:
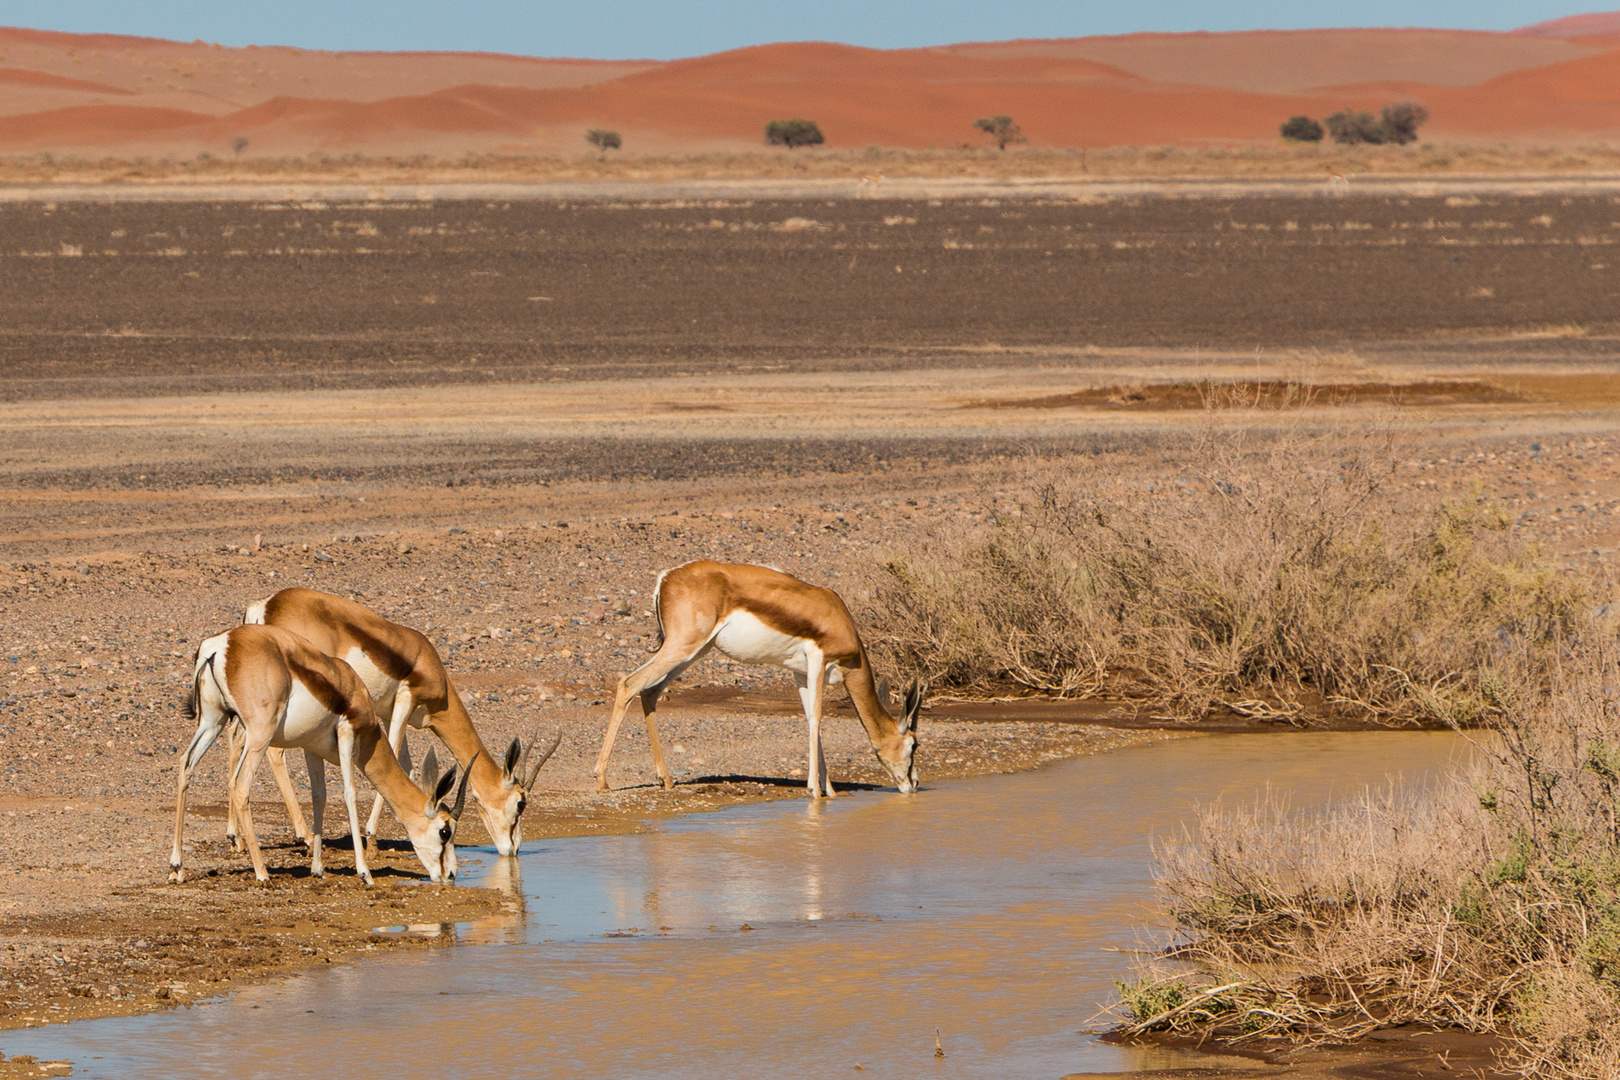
[
  {"x": 793, "y": 133},
  {"x": 1301, "y": 129}
]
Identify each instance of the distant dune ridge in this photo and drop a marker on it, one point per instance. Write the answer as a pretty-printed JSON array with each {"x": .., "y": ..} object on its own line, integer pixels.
[{"x": 100, "y": 94}]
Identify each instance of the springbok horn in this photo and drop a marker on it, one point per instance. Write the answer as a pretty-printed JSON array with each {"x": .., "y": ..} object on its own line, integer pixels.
[
  {"x": 545, "y": 757},
  {"x": 461, "y": 793}
]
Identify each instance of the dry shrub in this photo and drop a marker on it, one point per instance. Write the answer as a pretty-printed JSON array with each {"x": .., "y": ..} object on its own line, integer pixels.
[
  {"x": 1275, "y": 576},
  {"x": 1488, "y": 902}
]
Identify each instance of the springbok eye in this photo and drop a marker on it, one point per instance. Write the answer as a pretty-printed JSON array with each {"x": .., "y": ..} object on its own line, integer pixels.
[
  {"x": 444, "y": 834},
  {"x": 522, "y": 803}
]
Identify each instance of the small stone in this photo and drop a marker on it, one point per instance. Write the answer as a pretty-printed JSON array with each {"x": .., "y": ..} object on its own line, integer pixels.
[
  {"x": 163, "y": 993},
  {"x": 403, "y": 548},
  {"x": 258, "y": 541}
]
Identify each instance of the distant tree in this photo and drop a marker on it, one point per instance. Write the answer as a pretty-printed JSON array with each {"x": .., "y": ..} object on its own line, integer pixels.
[
  {"x": 1302, "y": 129},
  {"x": 603, "y": 140},
  {"x": 239, "y": 144},
  {"x": 1349, "y": 127},
  {"x": 1403, "y": 119},
  {"x": 792, "y": 133},
  {"x": 1000, "y": 128},
  {"x": 1399, "y": 125}
]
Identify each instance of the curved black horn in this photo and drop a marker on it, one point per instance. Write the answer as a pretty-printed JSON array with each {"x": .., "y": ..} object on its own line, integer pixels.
[
  {"x": 461, "y": 793},
  {"x": 534, "y": 770}
]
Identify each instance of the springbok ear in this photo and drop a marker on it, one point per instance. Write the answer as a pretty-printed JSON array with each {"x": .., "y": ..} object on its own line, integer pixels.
[
  {"x": 442, "y": 788},
  {"x": 428, "y": 774},
  {"x": 513, "y": 752},
  {"x": 883, "y": 691},
  {"x": 914, "y": 700}
]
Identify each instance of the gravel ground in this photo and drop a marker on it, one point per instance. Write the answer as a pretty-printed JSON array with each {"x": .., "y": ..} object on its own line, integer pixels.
[{"x": 520, "y": 518}]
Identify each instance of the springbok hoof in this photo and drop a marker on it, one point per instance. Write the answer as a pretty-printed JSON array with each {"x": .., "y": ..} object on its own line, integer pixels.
[{"x": 176, "y": 877}]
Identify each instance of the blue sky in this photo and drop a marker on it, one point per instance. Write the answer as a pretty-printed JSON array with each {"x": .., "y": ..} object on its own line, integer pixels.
[{"x": 661, "y": 29}]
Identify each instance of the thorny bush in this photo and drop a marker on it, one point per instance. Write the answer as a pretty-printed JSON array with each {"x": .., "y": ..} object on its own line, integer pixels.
[
  {"x": 1489, "y": 902},
  {"x": 1277, "y": 576}
]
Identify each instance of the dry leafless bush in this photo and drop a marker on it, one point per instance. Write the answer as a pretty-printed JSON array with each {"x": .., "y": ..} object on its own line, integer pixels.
[
  {"x": 1283, "y": 577},
  {"x": 220, "y": 162},
  {"x": 1487, "y": 902}
]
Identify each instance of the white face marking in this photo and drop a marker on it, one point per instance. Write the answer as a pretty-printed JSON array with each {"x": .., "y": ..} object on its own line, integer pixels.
[{"x": 742, "y": 636}]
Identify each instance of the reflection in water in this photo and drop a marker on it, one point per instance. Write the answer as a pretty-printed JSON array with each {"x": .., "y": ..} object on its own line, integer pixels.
[
  {"x": 989, "y": 909},
  {"x": 506, "y": 926}
]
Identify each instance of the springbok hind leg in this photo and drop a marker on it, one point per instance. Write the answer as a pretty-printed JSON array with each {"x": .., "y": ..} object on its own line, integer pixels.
[
  {"x": 200, "y": 742},
  {"x": 664, "y": 668},
  {"x": 649, "y": 709},
  {"x": 233, "y": 754},
  {"x": 241, "y": 786}
]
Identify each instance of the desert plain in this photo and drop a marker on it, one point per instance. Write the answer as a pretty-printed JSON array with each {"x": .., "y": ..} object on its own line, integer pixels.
[{"x": 497, "y": 418}]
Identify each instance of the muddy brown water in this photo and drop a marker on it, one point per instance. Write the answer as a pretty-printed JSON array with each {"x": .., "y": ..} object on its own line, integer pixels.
[{"x": 771, "y": 938}]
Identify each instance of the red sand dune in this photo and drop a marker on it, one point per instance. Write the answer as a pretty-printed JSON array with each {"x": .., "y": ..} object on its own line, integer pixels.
[
  {"x": 1593, "y": 24},
  {"x": 107, "y": 94}
]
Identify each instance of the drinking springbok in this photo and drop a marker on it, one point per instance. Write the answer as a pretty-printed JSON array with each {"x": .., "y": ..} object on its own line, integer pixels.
[
  {"x": 408, "y": 683},
  {"x": 286, "y": 694},
  {"x": 759, "y": 615}
]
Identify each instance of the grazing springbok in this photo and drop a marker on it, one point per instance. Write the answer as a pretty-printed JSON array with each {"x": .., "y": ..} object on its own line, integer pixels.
[
  {"x": 285, "y": 693},
  {"x": 759, "y": 615},
  {"x": 408, "y": 683}
]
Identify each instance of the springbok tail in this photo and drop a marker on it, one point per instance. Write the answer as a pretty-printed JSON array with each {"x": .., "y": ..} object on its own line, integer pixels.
[
  {"x": 204, "y": 738},
  {"x": 658, "y": 613}
]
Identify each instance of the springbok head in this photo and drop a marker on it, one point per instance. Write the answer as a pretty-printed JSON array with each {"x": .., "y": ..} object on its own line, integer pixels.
[
  {"x": 433, "y": 836},
  {"x": 902, "y": 750},
  {"x": 503, "y": 812}
]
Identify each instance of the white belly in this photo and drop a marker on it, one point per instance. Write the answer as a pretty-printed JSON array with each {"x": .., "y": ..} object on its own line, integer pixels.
[
  {"x": 308, "y": 725},
  {"x": 744, "y": 637},
  {"x": 379, "y": 684}
]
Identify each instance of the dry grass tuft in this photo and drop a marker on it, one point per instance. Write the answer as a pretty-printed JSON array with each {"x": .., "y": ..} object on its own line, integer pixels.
[
  {"x": 1488, "y": 903},
  {"x": 1284, "y": 577},
  {"x": 1238, "y": 161}
]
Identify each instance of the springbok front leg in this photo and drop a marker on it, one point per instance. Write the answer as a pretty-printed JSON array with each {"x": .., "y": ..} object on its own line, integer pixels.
[
  {"x": 811, "y": 692},
  {"x": 404, "y": 705},
  {"x": 345, "y": 736},
  {"x": 317, "y": 806},
  {"x": 276, "y": 758}
]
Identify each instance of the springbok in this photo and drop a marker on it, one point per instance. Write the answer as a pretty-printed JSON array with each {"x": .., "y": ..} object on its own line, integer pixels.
[
  {"x": 759, "y": 615},
  {"x": 408, "y": 683},
  {"x": 285, "y": 693}
]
